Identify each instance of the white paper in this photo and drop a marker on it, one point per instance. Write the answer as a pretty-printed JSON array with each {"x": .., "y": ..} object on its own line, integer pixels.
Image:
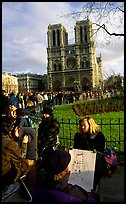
[{"x": 82, "y": 167}]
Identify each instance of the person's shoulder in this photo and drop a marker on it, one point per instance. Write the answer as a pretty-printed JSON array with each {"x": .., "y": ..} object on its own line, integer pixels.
[
  {"x": 5, "y": 139},
  {"x": 100, "y": 134},
  {"x": 9, "y": 143},
  {"x": 77, "y": 133}
]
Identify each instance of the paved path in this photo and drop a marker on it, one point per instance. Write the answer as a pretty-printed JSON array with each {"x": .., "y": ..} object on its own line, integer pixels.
[{"x": 111, "y": 188}]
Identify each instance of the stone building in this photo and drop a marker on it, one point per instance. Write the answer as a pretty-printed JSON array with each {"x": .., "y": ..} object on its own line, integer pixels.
[
  {"x": 73, "y": 66},
  {"x": 29, "y": 82},
  {"x": 9, "y": 83}
]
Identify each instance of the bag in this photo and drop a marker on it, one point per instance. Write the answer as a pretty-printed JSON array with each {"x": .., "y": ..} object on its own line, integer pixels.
[
  {"x": 111, "y": 160},
  {"x": 110, "y": 156}
]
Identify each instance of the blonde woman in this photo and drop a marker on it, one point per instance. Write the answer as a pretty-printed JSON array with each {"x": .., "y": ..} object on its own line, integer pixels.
[{"x": 90, "y": 137}]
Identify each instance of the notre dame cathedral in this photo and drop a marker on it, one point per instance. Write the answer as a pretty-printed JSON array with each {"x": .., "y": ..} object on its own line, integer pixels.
[{"x": 75, "y": 66}]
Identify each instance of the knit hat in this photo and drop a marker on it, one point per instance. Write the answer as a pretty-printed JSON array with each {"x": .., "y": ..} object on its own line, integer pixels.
[
  {"x": 47, "y": 110},
  {"x": 55, "y": 161}
]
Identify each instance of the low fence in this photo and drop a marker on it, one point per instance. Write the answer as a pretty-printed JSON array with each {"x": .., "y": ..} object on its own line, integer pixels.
[{"x": 113, "y": 129}]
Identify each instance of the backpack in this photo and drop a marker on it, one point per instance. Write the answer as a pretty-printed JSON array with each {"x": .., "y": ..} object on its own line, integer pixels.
[{"x": 111, "y": 160}]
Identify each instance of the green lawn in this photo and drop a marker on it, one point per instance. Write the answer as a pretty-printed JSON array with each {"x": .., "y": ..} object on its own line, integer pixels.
[{"x": 111, "y": 124}]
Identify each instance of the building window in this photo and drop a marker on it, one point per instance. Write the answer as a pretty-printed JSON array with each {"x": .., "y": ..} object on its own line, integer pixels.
[
  {"x": 54, "y": 40},
  {"x": 87, "y": 64},
  {"x": 59, "y": 67},
  {"x": 83, "y": 65},
  {"x": 58, "y": 37},
  {"x": 81, "y": 34},
  {"x": 55, "y": 67},
  {"x": 85, "y": 33}
]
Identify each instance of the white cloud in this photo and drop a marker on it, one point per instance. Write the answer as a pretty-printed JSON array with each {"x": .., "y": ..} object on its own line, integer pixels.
[{"x": 24, "y": 36}]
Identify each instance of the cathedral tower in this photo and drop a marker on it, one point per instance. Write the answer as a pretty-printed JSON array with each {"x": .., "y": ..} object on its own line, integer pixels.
[{"x": 73, "y": 66}]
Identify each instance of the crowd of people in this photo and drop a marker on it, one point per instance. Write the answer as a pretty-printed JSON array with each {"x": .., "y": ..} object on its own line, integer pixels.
[
  {"x": 23, "y": 100},
  {"x": 48, "y": 173}
]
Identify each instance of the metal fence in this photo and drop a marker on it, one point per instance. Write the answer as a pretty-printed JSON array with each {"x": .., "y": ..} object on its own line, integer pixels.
[{"x": 113, "y": 129}]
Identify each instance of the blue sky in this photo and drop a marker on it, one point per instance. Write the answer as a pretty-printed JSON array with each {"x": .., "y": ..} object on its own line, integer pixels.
[{"x": 24, "y": 36}]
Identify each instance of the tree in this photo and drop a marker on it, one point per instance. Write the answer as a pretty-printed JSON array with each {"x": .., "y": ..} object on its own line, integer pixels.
[
  {"x": 114, "y": 82},
  {"x": 106, "y": 16}
]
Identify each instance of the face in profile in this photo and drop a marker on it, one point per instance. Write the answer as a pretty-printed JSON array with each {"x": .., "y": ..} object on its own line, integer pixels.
[{"x": 85, "y": 126}]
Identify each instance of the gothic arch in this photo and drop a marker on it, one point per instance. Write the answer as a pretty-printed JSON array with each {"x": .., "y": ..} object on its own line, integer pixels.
[
  {"x": 57, "y": 65},
  {"x": 86, "y": 84},
  {"x": 69, "y": 83},
  {"x": 57, "y": 85}
]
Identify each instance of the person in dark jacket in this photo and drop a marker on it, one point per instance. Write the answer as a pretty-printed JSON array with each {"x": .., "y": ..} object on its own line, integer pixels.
[
  {"x": 45, "y": 135},
  {"x": 52, "y": 184},
  {"x": 22, "y": 119},
  {"x": 89, "y": 137}
]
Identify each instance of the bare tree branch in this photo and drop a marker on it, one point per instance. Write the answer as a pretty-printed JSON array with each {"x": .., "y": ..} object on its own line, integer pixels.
[
  {"x": 104, "y": 12},
  {"x": 104, "y": 27}
]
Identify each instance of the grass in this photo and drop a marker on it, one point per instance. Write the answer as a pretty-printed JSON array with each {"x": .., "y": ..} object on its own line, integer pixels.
[
  {"x": 65, "y": 111},
  {"x": 111, "y": 124}
]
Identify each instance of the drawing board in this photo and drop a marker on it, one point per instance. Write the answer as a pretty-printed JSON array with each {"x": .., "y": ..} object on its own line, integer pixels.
[{"x": 82, "y": 167}]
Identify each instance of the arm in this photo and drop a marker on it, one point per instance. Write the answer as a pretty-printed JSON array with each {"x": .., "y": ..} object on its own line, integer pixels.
[
  {"x": 100, "y": 143},
  {"x": 24, "y": 146},
  {"x": 22, "y": 165},
  {"x": 76, "y": 143}
]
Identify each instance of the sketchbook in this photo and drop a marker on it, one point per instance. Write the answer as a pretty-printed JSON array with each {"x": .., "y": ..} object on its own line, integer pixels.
[
  {"x": 82, "y": 167},
  {"x": 32, "y": 145}
]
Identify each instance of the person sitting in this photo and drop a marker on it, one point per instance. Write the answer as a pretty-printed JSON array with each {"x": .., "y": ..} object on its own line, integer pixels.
[
  {"x": 89, "y": 137},
  {"x": 48, "y": 131},
  {"x": 14, "y": 163},
  {"x": 52, "y": 181}
]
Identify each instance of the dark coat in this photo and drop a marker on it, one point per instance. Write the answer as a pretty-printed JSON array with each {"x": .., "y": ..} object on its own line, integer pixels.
[
  {"x": 85, "y": 142},
  {"x": 61, "y": 185}
]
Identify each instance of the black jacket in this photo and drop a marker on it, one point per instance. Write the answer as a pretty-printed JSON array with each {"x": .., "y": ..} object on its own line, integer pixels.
[
  {"x": 85, "y": 142},
  {"x": 62, "y": 185}
]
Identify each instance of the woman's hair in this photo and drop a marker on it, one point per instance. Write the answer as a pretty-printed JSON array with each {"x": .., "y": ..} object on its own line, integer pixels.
[
  {"x": 7, "y": 125},
  {"x": 93, "y": 126}
]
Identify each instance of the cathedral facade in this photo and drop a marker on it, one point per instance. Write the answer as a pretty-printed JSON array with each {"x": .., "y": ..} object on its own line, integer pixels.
[{"x": 73, "y": 66}]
